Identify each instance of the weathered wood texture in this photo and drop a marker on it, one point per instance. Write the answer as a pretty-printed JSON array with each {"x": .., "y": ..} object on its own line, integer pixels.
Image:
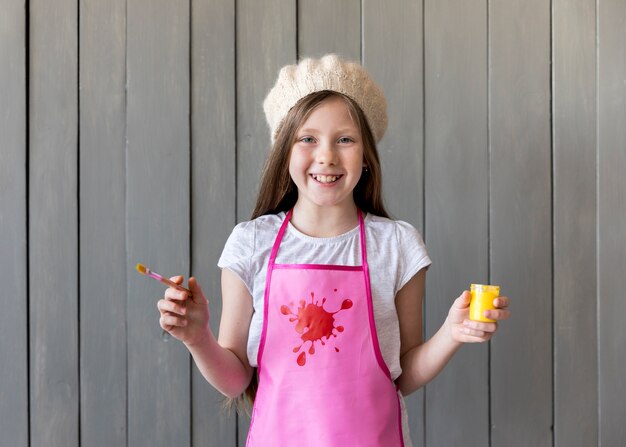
[
  {"x": 341, "y": 24},
  {"x": 213, "y": 199},
  {"x": 102, "y": 238},
  {"x": 392, "y": 44},
  {"x": 520, "y": 220},
  {"x": 13, "y": 224},
  {"x": 265, "y": 41},
  {"x": 53, "y": 224},
  {"x": 456, "y": 207},
  {"x": 611, "y": 295},
  {"x": 574, "y": 225},
  {"x": 157, "y": 215},
  {"x": 133, "y": 131}
]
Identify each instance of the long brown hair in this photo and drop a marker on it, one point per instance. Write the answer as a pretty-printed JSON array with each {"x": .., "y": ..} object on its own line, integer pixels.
[{"x": 278, "y": 192}]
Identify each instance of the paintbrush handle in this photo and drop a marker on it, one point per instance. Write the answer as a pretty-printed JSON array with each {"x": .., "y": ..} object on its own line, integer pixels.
[
  {"x": 146, "y": 271},
  {"x": 173, "y": 284}
]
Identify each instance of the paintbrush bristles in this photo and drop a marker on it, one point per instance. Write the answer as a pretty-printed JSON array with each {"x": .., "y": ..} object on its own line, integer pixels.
[{"x": 146, "y": 271}]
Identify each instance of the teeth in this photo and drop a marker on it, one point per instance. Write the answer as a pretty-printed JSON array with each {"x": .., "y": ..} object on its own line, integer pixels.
[{"x": 325, "y": 178}]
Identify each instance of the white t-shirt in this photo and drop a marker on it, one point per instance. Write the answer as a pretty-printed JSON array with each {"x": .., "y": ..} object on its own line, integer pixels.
[{"x": 395, "y": 253}]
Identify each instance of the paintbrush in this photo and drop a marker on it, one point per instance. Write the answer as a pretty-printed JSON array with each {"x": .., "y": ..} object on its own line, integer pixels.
[{"x": 146, "y": 271}]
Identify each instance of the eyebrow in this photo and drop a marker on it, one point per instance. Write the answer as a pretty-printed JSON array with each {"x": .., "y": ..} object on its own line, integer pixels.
[{"x": 341, "y": 130}]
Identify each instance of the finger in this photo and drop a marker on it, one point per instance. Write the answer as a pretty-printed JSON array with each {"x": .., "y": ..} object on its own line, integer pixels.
[
  {"x": 498, "y": 314},
  {"x": 164, "y": 326},
  {"x": 178, "y": 279},
  {"x": 477, "y": 339},
  {"x": 172, "y": 307},
  {"x": 501, "y": 302},
  {"x": 484, "y": 327},
  {"x": 470, "y": 335},
  {"x": 196, "y": 290},
  {"x": 169, "y": 321},
  {"x": 172, "y": 293}
]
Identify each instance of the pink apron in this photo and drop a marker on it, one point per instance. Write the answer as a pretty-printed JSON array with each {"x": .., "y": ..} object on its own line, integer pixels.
[{"x": 322, "y": 378}]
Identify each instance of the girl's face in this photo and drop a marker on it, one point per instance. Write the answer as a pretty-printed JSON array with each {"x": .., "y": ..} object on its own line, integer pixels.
[{"x": 326, "y": 160}]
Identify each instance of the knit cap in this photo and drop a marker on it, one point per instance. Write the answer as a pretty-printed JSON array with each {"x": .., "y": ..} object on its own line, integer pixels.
[{"x": 328, "y": 73}]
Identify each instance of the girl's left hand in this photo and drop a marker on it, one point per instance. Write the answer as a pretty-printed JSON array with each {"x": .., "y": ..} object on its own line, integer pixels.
[{"x": 464, "y": 330}]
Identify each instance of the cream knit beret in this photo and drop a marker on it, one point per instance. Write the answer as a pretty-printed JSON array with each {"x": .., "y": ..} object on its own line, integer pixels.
[{"x": 328, "y": 73}]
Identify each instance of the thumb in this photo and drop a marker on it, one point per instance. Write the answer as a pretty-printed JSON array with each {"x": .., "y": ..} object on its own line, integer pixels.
[
  {"x": 178, "y": 279},
  {"x": 462, "y": 301},
  {"x": 195, "y": 288}
]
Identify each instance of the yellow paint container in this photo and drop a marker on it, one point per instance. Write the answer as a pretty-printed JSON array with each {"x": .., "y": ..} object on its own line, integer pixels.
[{"x": 482, "y": 300}]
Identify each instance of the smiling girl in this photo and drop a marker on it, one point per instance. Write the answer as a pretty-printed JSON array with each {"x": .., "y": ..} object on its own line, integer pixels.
[{"x": 322, "y": 292}]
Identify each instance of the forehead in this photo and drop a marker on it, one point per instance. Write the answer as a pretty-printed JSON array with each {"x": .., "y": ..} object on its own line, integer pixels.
[{"x": 331, "y": 112}]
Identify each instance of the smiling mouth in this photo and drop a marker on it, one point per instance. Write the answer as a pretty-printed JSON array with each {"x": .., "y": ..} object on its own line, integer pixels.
[{"x": 326, "y": 178}]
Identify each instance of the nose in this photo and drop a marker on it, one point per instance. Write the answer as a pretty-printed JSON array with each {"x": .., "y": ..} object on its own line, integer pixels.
[{"x": 326, "y": 153}]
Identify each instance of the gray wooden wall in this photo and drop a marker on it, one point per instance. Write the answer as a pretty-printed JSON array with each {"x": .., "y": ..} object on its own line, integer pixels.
[{"x": 132, "y": 131}]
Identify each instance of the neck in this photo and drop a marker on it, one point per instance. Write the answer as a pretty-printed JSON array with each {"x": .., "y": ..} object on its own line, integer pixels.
[{"x": 324, "y": 221}]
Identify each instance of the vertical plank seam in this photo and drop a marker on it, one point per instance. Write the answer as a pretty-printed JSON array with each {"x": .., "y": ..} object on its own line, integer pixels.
[
  {"x": 361, "y": 34},
  {"x": 552, "y": 245},
  {"x": 424, "y": 303},
  {"x": 489, "y": 248},
  {"x": 297, "y": 30},
  {"x": 126, "y": 359},
  {"x": 597, "y": 172},
  {"x": 236, "y": 154},
  {"x": 27, "y": 212},
  {"x": 190, "y": 204},
  {"x": 361, "y": 31},
  {"x": 236, "y": 147},
  {"x": 236, "y": 114},
  {"x": 78, "y": 339}
]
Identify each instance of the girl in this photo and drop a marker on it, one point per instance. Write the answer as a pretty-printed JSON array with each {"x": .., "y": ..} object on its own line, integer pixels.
[{"x": 322, "y": 292}]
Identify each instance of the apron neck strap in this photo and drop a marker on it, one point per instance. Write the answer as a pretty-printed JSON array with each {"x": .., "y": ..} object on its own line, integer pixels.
[
  {"x": 279, "y": 237},
  {"x": 362, "y": 234},
  {"x": 283, "y": 227}
]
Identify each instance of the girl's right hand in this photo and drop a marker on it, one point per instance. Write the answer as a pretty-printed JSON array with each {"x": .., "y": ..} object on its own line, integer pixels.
[{"x": 185, "y": 317}]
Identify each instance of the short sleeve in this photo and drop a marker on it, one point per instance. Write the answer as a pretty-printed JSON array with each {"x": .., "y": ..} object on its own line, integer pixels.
[
  {"x": 413, "y": 256},
  {"x": 238, "y": 252}
]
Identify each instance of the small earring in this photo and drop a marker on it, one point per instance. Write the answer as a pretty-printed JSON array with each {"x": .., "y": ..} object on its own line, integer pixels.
[{"x": 365, "y": 169}]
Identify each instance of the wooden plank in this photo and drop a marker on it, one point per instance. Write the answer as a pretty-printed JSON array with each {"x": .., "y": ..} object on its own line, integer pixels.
[
  {"x": 398, "y": 25},
  {"x": 13, "y": 263},
  {"x": 400, "y": 75},
  {"x": 520, "y": 221},
  {"x": 574, "y": 161},
  {"x": 157, "y": 230},
  {"x": 261, "y": 52},
  {"x": 266, "y": 41},
  {"x": 213, "y": 188},
  {"x": 611, "y": 220},
  {"x": 53, "y": 223},
  {"x": 103, "y": 267},
  {"x": 340, "y": 28},
  {"x": 456, "y": 204}
]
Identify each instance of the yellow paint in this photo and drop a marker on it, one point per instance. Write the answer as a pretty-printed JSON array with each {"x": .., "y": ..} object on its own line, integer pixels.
[{"x": 482, "y": 300}]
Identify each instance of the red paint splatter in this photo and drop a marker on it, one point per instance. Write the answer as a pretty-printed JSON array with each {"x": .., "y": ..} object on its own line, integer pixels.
[
  {"x": 301, "y": 359},
  {"x": 314, "y": 323}
]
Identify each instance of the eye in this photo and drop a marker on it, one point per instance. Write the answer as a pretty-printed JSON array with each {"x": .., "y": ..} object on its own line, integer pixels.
[
  {"x": 307, "y": 140},
  {"x": 345, "y": 140}
]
